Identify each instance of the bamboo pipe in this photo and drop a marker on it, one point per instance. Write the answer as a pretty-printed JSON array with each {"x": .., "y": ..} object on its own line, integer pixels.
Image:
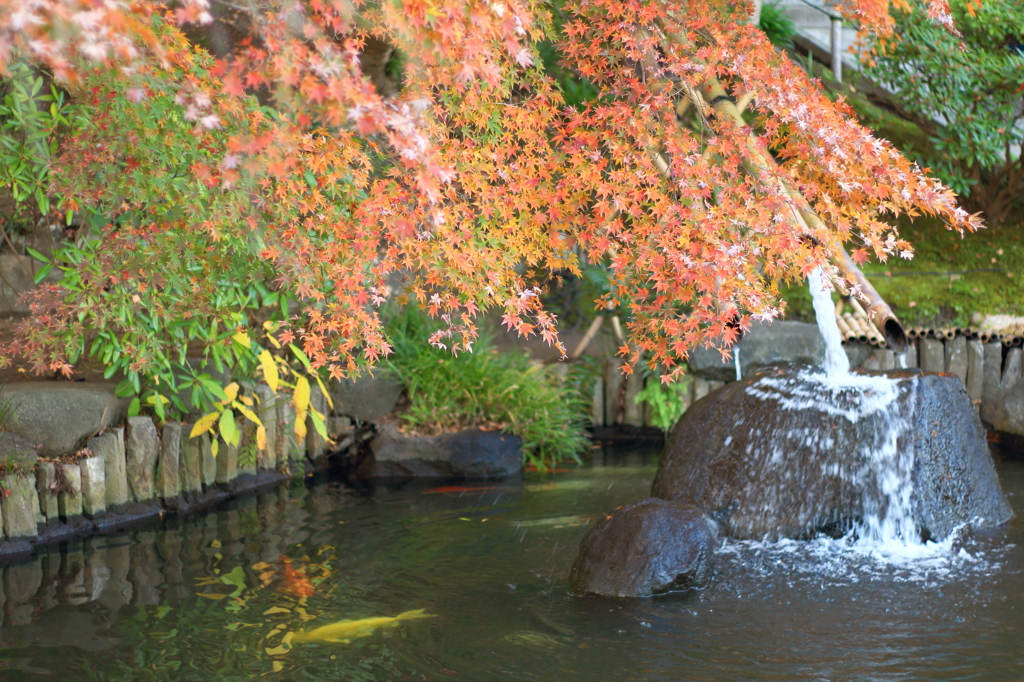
[
  {"x": 844, "y": 329},
  {"x": 878, "y": 310}
]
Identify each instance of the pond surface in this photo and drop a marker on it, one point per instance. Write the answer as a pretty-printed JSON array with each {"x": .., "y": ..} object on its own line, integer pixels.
[{"x": 216, "y": 598}]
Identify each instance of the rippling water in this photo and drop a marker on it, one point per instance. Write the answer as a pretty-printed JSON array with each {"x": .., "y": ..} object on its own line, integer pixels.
[{"x": 214, "y": 598}]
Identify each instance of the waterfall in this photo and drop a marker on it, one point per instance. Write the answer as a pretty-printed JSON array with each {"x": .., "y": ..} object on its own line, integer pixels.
[
  {"x": 886, "y": 461},
  {"x": 836, "y": 363}
]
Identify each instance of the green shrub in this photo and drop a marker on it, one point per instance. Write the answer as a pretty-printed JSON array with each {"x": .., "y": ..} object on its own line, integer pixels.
[
  {"x": 32, "y": 113},
  {"x": 967, "y": 93},
  {"x": 666, "y": 402},
  {"x": 777, "y": 26},
  {"x": 485, "y": 389}
]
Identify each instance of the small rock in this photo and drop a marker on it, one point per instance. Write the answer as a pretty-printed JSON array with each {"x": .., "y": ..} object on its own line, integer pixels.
[
  {"x": 466, "y": 454},
  {"x": 645, "y": 549}
]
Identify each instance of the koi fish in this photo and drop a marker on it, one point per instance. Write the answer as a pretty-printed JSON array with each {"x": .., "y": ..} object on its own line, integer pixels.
[
  {"x": 345, "y": 631},
  {"x": 294, "y": 580}
]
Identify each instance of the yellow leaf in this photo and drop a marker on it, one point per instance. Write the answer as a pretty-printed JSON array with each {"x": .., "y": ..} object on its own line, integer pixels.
[
  {"x": 215, "y": 448},
  {"x": 204, "y": 424},
  {"x": 269, "y": 370},
  {"x": 261, "y": 437},
  {"x": 245, "y": 400},
  {"x": 231, "y": 390},
  {"x": 242, "y": 338},
  {"x": 301, "y": 397},
  {"x": 277, "y": 666},
  {"x": 275, "y": 609},
  {"x": 213, "y": 595},
  {"x": 249, "y": 414},
  {"x": 327, "y": 394},
  {"x": 300, "y": 425}
]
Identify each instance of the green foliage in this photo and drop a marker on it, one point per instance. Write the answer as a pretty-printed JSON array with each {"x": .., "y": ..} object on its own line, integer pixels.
[
  {"x": 504, "y": 391},
  {"x": 667, "y": 403},
  {"x": 32, "y": 113},
  {"x": 967, "y": 93},
  {"x": 777, "y": 26}
]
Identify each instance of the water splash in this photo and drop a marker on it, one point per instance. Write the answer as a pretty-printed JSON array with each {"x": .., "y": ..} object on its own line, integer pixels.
[{"x": 879, "y": 464}]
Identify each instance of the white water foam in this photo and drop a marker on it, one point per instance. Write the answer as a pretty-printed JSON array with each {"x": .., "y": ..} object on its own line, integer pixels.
[{"x": 887, "y": 533}]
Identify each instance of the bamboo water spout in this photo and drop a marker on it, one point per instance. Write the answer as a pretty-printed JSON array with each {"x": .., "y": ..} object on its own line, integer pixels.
[{"x": 878, "y": 311}]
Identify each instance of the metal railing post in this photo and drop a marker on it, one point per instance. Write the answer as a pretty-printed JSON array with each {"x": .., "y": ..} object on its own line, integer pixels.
[{"x": 837, "y": 49}]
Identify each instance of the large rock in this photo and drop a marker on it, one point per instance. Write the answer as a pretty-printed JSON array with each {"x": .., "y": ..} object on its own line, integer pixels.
[
  {"x": 58, "y": 416},
  {"x": 785, "y": 454},
  {"x": 765, "y": 344},
  {"x": 367, "y": 398},
  {"x": 17, "y": 453},
  {"x": 648, "y": 548},
  {"x": 466, "y": 454}
]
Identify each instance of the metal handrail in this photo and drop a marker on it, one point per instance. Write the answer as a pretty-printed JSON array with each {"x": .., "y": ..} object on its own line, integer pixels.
[
  {"x": 826, "y": 12},
  {"x": 836, "y": 38}
]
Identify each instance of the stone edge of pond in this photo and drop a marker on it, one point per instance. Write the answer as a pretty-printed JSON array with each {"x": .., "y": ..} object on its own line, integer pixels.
[{"x": 137, "y": 472}]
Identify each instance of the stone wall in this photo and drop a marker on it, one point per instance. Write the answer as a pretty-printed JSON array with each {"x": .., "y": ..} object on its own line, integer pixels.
[{"x": 75, "y": 466}]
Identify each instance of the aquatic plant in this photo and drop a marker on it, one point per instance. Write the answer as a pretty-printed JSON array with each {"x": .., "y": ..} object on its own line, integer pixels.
[{"x": 485, "y": 389}]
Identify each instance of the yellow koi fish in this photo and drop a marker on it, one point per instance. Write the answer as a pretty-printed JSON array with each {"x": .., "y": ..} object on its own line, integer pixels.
[{"x": 345, "y": 631}]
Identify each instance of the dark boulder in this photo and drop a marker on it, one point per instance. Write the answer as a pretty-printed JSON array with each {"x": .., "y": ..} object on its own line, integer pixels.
[
  {"x": 467, "y": 454},
  {"x": 645, "y": 549},
  {"x": 786, "y": 454},
  {"x": 367, "y": 398}
]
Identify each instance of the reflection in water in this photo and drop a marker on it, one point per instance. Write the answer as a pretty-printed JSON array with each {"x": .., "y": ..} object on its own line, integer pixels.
[{"x": 222, "y": 597}]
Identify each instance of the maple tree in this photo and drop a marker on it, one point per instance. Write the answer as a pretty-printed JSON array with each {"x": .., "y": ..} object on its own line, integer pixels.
[{"x": 706, "y": 170}]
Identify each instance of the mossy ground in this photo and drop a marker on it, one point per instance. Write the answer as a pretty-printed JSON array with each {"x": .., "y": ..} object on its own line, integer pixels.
[{"x": 950, "y": 277}]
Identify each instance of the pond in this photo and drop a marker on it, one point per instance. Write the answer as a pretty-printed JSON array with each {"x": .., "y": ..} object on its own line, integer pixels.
[{"x": 220, "y": 597}]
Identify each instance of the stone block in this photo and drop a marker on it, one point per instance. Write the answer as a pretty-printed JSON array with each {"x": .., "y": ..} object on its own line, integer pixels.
[
  {"x": 634, "y": 411},
  {"x": 168, "y": 483},
  {"x": 1011, "y": 370},
  {"x": 209, "y": 462},
  {"x": 69, "y": 499},
  {"x": 337, "y": 427},
  {"x": 94, "y": 486},
  {"x": 367, "y": 398},
  {"x": 778, "y": 342},
  {"x": 46, "y": 486},
  {"x": 886, "y": 358},
  {"x": 247, "y": 454},
  {"x": 700, "y": 389},
  {"x": 932, "y": 355},
  {"x": 227, "y": 463},
  {"x": 59, "y": 416},
  {"x": 142, "y": 448},
  {"x": 975, "y": 370},
  {"x": 266, "y": 410},
  {"x": 316, "y": 446},
  {"x": 910, "y": 356},
  {"x": 990, "y": 382},
  {"x": 19, "y": 519},
  {"x": 190, "y": 465},
  {"x": 289, "y": 452},
  {"x": 956, "y": 358},
  {"x": 613, "y": 378},
  {"x": 110, "y": 446}
]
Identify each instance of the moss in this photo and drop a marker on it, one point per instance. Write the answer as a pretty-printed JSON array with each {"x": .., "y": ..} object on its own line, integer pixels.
[{"x": 942, "y": 286}]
